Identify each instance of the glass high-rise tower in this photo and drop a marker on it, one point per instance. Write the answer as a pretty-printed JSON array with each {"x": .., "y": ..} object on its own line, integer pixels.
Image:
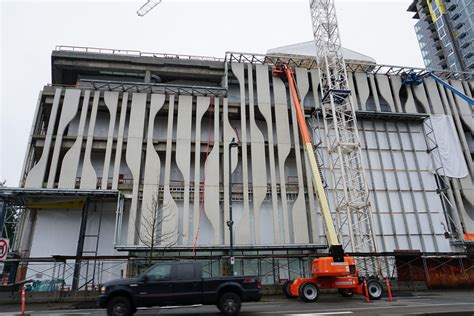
[{"x": 445, "y": 31}]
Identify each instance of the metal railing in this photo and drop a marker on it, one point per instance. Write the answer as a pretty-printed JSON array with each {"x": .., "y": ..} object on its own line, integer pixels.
[
  {"x": 132, "y": 53},
  {"x": 310, "y": 62},
  {"x": 154, "y": 88}
]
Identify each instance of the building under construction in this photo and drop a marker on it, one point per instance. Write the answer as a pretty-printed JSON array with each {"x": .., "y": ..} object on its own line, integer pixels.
[{"x": 121, "y": 135}]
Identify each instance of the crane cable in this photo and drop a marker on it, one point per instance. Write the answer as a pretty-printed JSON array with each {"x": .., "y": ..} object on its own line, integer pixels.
[{"x": 201, "y": 202}]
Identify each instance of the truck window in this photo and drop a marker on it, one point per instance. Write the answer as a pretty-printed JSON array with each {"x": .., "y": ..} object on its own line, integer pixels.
[
  {"x": 160, "y": 272},
  {"x": 185, "y": 271}
]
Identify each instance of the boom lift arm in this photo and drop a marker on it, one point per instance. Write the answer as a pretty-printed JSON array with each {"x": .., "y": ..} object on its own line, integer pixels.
[{"x": 335, "y": 247}]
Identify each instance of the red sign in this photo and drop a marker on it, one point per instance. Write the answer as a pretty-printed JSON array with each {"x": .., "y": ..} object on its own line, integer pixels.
[{"x": 3, "y": 249}]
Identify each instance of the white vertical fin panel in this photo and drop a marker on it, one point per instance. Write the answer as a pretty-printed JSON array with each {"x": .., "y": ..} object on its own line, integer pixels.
[
  {"x": 464, "y": 109},
  {"x": 36, "y": 175},
  {"x": 68, "y": 112},
  {"x": 243, "y": 233},
  {"x": 362, "y": 89},
  {"x": 151, "y": 181},
  {"x": 202, "y": 105},
  {"x": 299, "y": 211},
  {"x": 384, "y": 90},
  {"x": 67, "y": 177},
  {"x": 170, "y": 209},
  {"x": 111, "y": 102},
  {"x": 433, "y": 94},
  {"x": 265, "y": 107},
  {"x": 118, "y": 149},
  {"x": 420, "y": 94},
  {"x": 133, "y": 157},
  {"x": 409, "y": 105},
  {"x": 211, "y": 173},
  {"x": 89, "y": 176},
  {"x": 259, "y": 169},
  {"x": 183, "y": 157},
  {"x": 282, "y": 125},
  {"x": 375, "y": 94},
  {"x": 396, "y": 83},
  {"x": 229, "y": 134}
]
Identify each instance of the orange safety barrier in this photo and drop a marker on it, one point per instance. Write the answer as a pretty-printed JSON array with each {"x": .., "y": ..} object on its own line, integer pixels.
[{"x": 468, "y": 236}]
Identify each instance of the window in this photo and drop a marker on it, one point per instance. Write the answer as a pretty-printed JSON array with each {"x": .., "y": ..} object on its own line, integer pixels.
[
  {"x": 185, "y": 271},
  {"x": 160, "y": 273}
]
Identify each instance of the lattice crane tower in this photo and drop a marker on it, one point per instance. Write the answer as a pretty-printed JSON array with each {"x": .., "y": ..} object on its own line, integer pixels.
[{"x": 353, "y": 209}]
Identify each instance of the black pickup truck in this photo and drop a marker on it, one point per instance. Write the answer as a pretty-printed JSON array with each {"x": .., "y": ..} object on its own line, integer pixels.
[{"x": 178, "y": 283}]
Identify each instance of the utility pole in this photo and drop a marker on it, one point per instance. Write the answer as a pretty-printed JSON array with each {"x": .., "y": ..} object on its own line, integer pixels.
[{"x": 230, "y": 222}]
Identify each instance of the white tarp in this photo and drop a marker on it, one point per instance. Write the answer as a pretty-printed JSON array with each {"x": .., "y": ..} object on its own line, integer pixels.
[{"x": 449, "y": 154}]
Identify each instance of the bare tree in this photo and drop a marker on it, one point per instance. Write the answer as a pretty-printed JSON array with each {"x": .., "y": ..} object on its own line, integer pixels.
[{"x": 150, "y": 228}]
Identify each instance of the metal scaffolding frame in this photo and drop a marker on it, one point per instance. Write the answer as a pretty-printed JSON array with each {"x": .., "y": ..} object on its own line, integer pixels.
[
  {"x": 310, "y": 62},
  {"x": 352, "y": 205},
  {"x": 124, "y": 86}
]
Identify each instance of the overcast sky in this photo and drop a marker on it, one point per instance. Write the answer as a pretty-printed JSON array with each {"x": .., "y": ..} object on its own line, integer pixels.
[{"x": 30, "y": 30}]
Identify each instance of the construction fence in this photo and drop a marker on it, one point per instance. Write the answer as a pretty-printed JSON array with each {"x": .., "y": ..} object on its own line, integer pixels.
[{"x": 55, "y": 274}]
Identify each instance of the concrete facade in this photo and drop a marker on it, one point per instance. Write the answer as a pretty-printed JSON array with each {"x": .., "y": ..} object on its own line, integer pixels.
[{"x": 174, "y": 146}]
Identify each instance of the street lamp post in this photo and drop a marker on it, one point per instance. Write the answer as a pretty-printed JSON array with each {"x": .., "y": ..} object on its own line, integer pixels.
[{"x": 230, "y": 222}]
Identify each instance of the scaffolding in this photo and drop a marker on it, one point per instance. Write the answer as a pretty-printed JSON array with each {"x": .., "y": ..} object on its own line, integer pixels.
[{"x": 341, "y": 135}]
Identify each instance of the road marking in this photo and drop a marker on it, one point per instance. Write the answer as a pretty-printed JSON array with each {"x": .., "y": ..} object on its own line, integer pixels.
[
  {"x": 317, "y": 314},
  {"x": 329, "y": 311}
]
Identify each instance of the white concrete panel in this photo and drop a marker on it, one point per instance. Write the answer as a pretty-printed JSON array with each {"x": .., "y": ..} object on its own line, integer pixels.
[
  {"x": 133, "y": 157},
  {"x": 362, "y": 89},
  {"x": 258, "y": 159},
  {"x": 385, "y": 91},
  {"x": 265, "y": 107},
  {"x": 354, "y": 100},
  {"x": 464, "y": 109},
  {"x": 432, "y": 89},
  {"x": 152, "y": 166},
  {"x": 119, "y": 146},
  {"x": 284, "y": 146},
  {"x": 36, "y": 175},
  {"x": 67, "y": 176},
  {"x": 183, "y": 157},
  {"x": 229, "y": 134},
  {"x": 303, "y": 88},
  {"x": 315, "y": 82},
  {"x": 68, "y": 112},
  {"x": 202, "y": 105},
  {"x": 374, "y": 92},
  {"x": 243, "y": 231},
  {"x": 212, "y": 191},
  {"x": 420, "y": 94},
  {"x": 396, "y": 86},
  {"x": 111, "y": 102},
  {"x": 409, "y": 106},
  {"x": 88, "y": 175},
  {"x": 170, "y": 209}
]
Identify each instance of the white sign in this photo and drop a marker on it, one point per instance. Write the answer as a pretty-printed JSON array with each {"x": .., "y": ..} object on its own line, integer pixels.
[{"x": 3, "y": 248}]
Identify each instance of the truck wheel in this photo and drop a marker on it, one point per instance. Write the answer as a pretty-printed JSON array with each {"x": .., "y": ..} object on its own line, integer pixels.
[
  {"x": 229, "y": 303},
  {"x": 375, "y": 289},
  {"x": 346, "y": 292},
  {"x": 120, "y": 306},
  {"x": 309, "y": 292},
  {"x": 286, "y": 289}
]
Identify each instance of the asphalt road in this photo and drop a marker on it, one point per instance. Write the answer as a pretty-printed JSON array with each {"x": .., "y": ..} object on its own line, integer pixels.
[{"x": 421, "y": 303}]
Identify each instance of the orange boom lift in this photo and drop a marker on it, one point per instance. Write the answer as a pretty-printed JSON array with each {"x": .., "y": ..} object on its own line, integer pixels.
[{"x": 337, "y": 271}]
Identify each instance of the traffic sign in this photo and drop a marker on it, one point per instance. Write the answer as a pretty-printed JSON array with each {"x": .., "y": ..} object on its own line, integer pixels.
[{"x": 3, "y": 248}]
